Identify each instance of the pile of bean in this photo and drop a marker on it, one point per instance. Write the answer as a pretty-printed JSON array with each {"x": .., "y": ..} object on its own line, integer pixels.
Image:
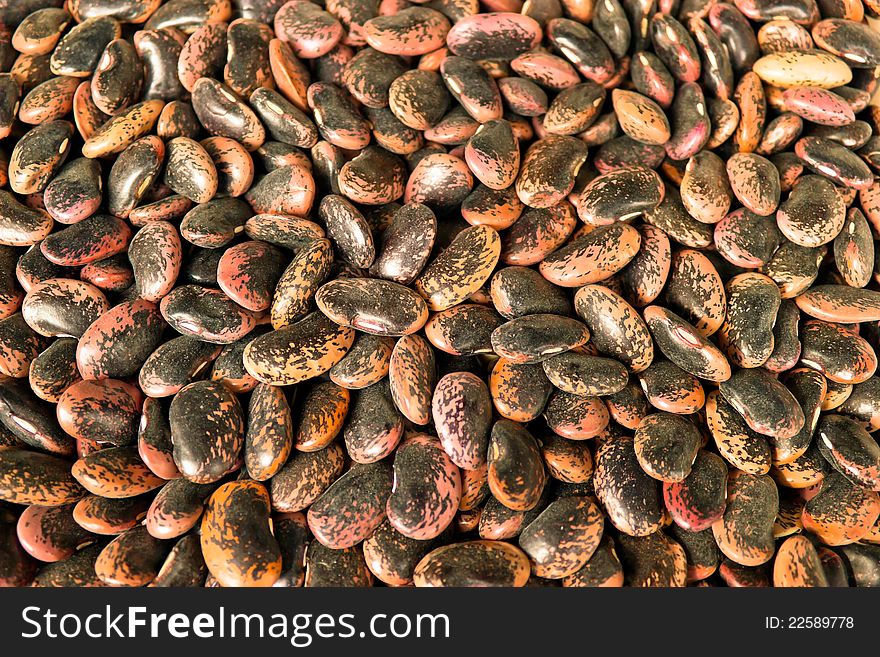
[{"x": 444, "y": 293}]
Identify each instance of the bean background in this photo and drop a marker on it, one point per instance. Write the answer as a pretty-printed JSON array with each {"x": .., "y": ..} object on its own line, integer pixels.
[{"x": 445, "y": 293}]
